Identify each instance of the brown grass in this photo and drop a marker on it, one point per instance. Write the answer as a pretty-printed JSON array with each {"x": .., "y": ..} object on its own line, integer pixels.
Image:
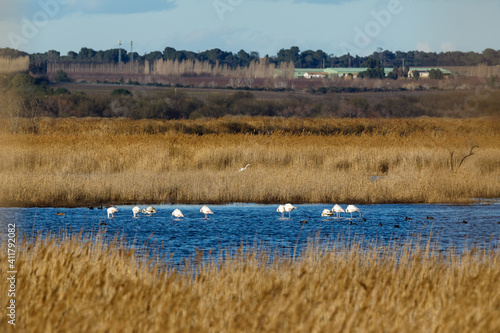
[
  {"x": 78, "y": 285},
  {"x": 79, "y": 162},
  {"x": 14, "y": 65}
]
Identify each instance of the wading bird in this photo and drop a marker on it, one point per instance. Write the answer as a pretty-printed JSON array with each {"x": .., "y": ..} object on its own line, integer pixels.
[
  {"x": 177, "y": 213},
  {"x": 326, "y": 212},
  {"x": 281, "y": 209},
  {"x": 351, "y": 209},
  {"x": 136, "y": 210},
  {"x": 289, "y": 208},
  {"x": 111, "y": 211},
  {"x": 337, "y": 209},
  {"x": 243, "y": 169},
  {"x": 150, "y": 210},
  {"x": 205, "y": 210}
]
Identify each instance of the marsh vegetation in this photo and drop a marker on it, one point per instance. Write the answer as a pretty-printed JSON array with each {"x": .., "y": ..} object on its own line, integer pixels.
[{"x": 78, "y": 162}]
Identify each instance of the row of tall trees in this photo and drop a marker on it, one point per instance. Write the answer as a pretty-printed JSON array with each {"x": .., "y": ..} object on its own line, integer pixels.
[{"x": 300, "y": 59}]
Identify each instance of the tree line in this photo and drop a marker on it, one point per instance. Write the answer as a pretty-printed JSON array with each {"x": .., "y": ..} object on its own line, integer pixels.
[{"x": 300, "y": 59}]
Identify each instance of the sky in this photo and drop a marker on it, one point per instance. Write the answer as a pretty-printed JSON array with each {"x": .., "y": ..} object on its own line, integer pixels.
[{"x": 337, "y": 27}]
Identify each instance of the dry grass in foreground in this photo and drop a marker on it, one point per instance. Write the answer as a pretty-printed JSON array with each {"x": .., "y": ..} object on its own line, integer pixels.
[
  {"x": 78, "y": 162},
  {"x": 77, "y": 285}
]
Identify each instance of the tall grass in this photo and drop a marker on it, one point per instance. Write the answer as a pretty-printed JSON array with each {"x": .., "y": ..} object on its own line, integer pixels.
[
  {"x": 14, "y": 65},
  {"x": 256, "y": 69},
  {"x": 78, "y": 285},
  {"x": 113, "y": 161}
]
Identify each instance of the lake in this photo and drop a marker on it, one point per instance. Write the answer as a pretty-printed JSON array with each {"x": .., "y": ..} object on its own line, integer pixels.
[{"x": 261, "y": 227}]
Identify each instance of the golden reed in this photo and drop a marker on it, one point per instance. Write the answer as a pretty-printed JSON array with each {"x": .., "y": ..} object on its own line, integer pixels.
[
  {"x": 74, "y": 284},
  {"x": 78, "y": 162}
]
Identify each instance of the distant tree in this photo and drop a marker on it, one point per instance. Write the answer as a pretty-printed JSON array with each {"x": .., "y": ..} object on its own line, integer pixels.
[
  {"x": 86, "y": 54},
  {"x": 169, "y": 53},
  {"x": 289, "y": 55},
  {"x": 374, "y": 70},
  {"x": 416, "y": 75},
  {"x": 151, "y": 57},
  {"x": 436, "y": 74},
  {"x": 491, "y": 57},
  {"x": 72, "y": 55},
  {"x": 61, "y": 76},
  {"x": 53, "y": 56}
]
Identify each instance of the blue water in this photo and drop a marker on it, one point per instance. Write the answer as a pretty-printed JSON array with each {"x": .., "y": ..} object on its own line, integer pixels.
[{"x": 260, "y": 227}]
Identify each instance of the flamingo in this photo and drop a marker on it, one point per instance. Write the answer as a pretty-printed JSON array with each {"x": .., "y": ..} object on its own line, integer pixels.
[
  {"x": 205, "y": 210},
  {"x": 351, "y": 209},
  {"x": 281, "y": 209},
  {"x": 243, "y": 169},
  {"x": 150, "y": 210},
  {"x": 136, "y": 210},
  {"x": 111, "y": 210},
  {"x": 289, "y": 208},
  {"x": 337, "y": 209},
  {"x": 326, "y": 212},
  {"x": 177, "y": 213}
]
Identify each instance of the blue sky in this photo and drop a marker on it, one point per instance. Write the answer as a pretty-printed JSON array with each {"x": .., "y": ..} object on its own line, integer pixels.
[{"x": 265, "y": 26}]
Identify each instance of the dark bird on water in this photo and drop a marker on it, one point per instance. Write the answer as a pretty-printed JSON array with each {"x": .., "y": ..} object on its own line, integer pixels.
[
  {"x": 396, "y": 226},
  {"x": 464, "y": 221},
  {"x": 380, "y": 224},
  {"x": 407, "y": 218},
  {"x": 364, "y": 220},
  {"x": 429, "y": 218},
  {"x": 305, "y": 221},
  {"x": 350, "y": 223},
  {"x": 60, "y": 214}
]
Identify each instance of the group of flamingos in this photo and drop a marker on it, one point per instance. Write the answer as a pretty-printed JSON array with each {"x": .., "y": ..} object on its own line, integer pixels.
[
  {"x": 205, "y": 210},
  {"x": 326, "y": 212}
]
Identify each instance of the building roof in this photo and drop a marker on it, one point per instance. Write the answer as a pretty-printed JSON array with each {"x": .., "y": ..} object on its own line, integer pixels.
[{"x": 299, "y": 72}]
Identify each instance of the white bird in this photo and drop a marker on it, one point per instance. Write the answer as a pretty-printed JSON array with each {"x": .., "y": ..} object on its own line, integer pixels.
[
  {"x": 326, "y": 212},
  {"x": 337, "y": 209},
  {"x": 136, "y": 210},
  {"x": 243, "y": 169},
  {"x": 111, "y": 210},
  {"x": 205, "y": 210},
  {"x": 351, "y": 209},
  {"x": 281, "y": 209},
  {"x": 177, "y": 213},
  {"x": 150, "y": 210},
  {"x": 289, "y": 208}
]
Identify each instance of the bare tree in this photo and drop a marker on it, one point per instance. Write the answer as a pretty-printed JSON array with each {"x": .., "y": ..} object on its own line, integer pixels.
[{"x": 452, "y": 161}]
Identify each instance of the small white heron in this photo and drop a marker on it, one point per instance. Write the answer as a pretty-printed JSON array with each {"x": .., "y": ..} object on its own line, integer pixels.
[
  {"x": 150, "y": 210},
  {"x": 205, "y": 210},
  {"x": 177, "y": 213},
  {"x": 111, "y": 211},
  {"x": 326, "y": 213},
  {"x": 337, "y": 209},
  {"x": 243, "y": 169},
  {"x": 136, "y": 210},
  {"x": 289, "y": 208},
  {"x": 351, "y": 209},
  {"x": 281, "y": 209}
]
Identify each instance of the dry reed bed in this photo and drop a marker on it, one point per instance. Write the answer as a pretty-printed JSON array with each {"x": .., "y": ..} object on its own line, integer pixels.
[
  {"x": 87, "y": 161},
  {"x": 14, "y": 65},
  {"x": 78, "y": 285}
]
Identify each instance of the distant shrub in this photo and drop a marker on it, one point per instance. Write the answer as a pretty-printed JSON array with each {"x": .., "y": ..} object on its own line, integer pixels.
[
  {"x": 121, "y": 92},
  {"x": 62, "y": 91},
  {"x": 61, "y": 76}
]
